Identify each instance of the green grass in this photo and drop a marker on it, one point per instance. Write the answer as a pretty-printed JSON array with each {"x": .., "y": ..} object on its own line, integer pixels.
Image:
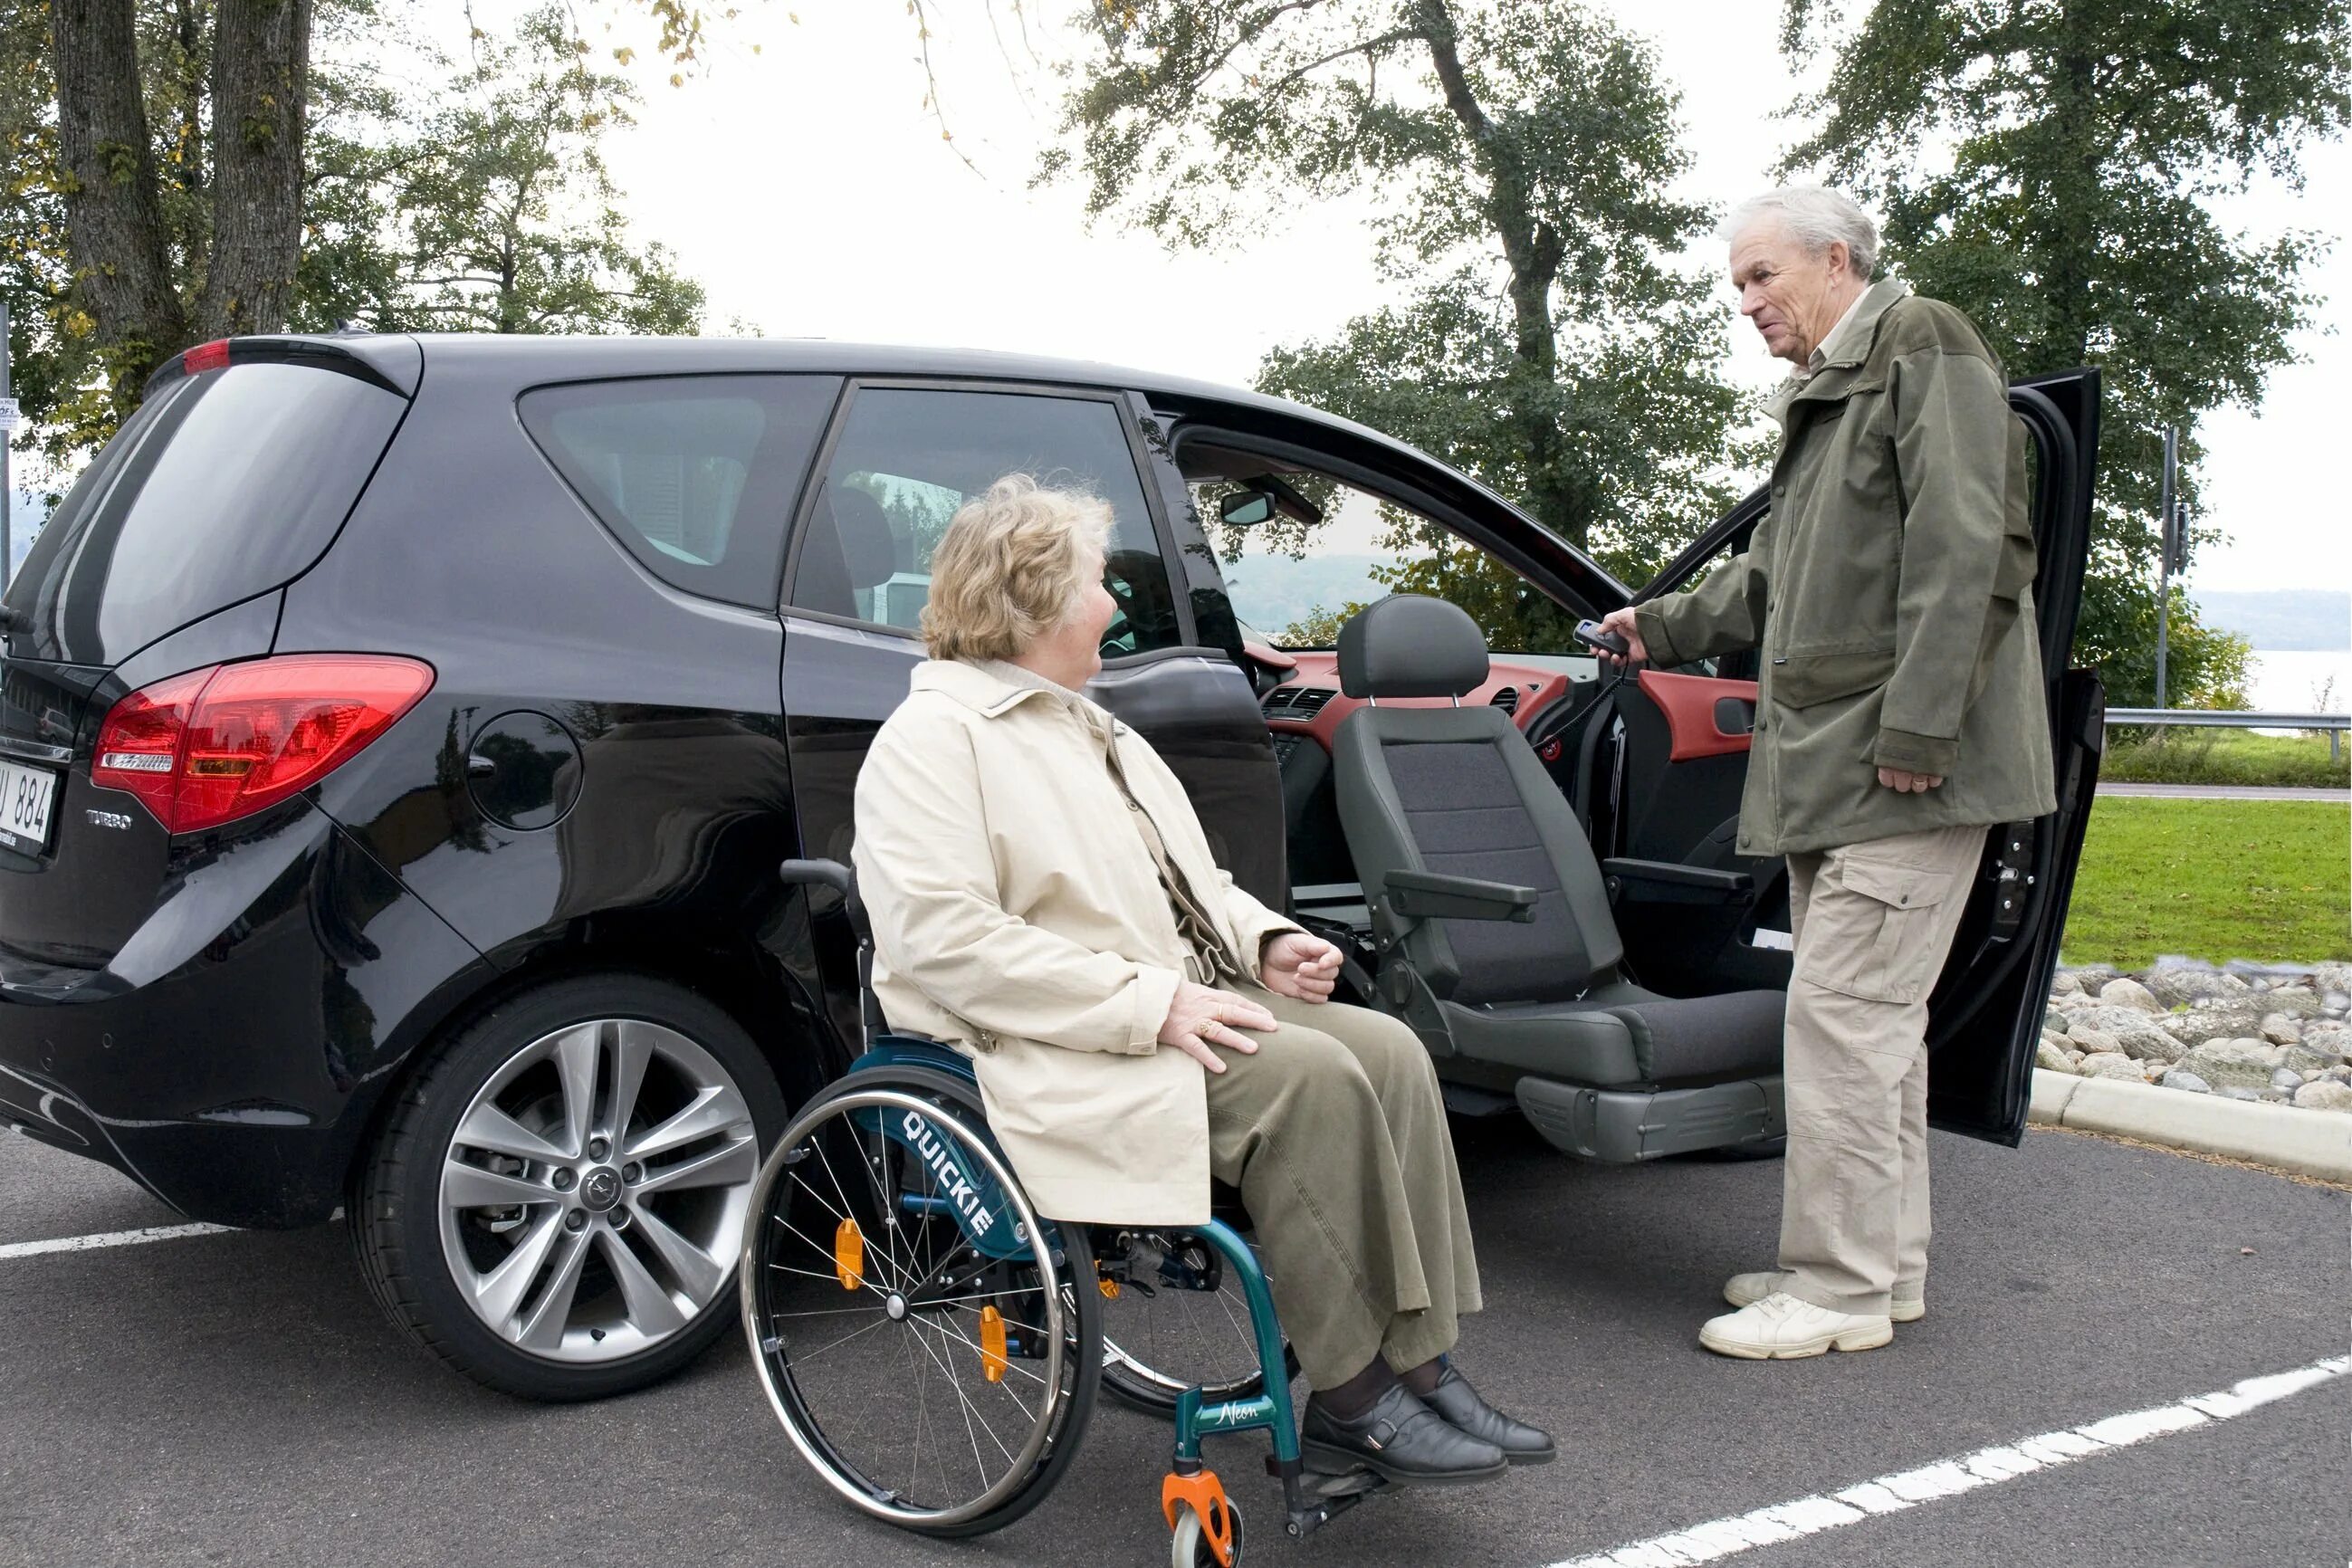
[
  {"x": 2211, "y": 878},
  {"x": 2222, "y": 757}
]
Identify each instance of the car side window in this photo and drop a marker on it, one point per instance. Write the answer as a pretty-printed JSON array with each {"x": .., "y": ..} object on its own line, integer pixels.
[
  {"x": 695, "y": 475},
  {"x": 908, "y": 457},
  {"x": 1331, "y": 548}
]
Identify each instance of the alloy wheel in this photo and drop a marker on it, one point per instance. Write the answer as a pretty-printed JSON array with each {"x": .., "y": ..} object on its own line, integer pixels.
[{"x": 592, "y": 1198}]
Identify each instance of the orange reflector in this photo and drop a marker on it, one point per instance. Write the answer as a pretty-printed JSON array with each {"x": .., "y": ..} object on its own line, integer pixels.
[
  {"x": 849, "y": 1254},
  {"x": 1108, "y": 1286},
  {"x": 991, "y": 1345}
]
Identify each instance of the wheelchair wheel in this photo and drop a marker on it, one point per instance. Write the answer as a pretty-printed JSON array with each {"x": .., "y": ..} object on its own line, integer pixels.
[
  {"x": 1189, "y": 1546},
  {"x": 1176, "y": 1322},
  {"x": 929, "y": 1342}
]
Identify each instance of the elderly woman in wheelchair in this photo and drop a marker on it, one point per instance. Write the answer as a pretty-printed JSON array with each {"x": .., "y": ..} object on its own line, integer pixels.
[{"x": 1043, "y": 898}]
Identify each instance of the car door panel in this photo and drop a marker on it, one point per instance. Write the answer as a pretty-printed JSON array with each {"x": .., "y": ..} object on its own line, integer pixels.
[{"x": 1705, "y": 717}]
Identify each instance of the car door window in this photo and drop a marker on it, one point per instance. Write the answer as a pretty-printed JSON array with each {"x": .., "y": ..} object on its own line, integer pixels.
[
  {"x": 908, "y": 458},
  {"x": 695, "y": 475},
  {"x": 1295, "y": 582}
]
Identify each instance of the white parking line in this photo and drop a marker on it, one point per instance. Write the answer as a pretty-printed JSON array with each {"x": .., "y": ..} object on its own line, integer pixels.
[
  {"x": 110, "y": 1238},
  {"x": 1722, "y": 1538}
]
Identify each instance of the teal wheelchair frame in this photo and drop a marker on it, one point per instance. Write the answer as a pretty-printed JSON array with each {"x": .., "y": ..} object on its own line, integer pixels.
[{"x": 958, "y": 1163}]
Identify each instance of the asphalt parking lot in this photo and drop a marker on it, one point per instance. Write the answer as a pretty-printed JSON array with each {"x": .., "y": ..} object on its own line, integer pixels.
[{"x": 237, "y": 1398}]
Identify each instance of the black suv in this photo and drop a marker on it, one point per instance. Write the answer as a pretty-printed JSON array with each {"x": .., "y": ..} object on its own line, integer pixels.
[{"x": 400, "y": 736}]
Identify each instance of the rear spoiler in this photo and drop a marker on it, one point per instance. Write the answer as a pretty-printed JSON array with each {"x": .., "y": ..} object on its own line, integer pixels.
[{"x": 393, "y": 361}]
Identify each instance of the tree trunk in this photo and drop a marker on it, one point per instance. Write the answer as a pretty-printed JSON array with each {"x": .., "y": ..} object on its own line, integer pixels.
[
  {"x": 114, "y": 221},
  {"x": 261, "y": 88},
  {"x": 1532, "y": 253}
]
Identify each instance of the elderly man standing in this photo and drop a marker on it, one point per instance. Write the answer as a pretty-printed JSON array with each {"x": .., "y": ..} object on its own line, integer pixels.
[{"x": 1900, "y": 713}]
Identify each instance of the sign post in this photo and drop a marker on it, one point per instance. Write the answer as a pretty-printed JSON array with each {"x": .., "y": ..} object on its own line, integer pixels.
[
  {"x": 2168, "y": 525},
  {"x": 9, "y": 419}
]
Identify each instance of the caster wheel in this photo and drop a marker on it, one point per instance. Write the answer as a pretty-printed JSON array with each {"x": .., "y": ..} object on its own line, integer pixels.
[{"x": 1191, "y": 1546}]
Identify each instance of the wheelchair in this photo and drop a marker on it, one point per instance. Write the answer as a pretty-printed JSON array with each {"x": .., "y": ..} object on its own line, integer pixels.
[{"x": 934, "y": 1347}]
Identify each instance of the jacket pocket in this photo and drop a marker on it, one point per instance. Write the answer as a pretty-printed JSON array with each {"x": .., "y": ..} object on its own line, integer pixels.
[
  {"x": 1867, "y": 936},
  {"x": 1802, "y": 679}
]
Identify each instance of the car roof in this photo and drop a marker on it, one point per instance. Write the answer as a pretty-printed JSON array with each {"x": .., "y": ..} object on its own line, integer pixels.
[{"x": 528, "y": 359}]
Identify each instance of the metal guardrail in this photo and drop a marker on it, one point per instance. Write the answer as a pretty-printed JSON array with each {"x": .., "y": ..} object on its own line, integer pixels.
[{"x": 2335, "y": 724}]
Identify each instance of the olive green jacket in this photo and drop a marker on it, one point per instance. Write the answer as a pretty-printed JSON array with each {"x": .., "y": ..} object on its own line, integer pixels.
[{"x": 1890, "y": 589}]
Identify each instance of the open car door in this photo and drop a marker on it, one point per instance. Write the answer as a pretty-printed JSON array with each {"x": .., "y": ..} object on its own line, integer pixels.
[{"x": 1671, "y": 791}]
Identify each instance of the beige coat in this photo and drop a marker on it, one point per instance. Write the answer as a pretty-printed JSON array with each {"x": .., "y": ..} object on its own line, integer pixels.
[{"x": 1018, "y": 915}]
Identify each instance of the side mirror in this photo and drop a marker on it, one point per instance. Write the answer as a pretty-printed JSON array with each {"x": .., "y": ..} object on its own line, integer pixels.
[{"x": 1247, "y": 508}]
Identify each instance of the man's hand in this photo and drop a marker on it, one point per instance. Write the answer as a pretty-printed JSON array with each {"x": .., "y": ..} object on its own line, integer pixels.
[
  {"x": 1200, "y": 1017},
  {"x": 1910, "y": 784},
  {"x": 1621, "y": 622},
  {"x": 1296, "y": 965}
]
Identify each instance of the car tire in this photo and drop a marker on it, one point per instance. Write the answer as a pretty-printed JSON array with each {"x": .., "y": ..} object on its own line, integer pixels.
[{"x": 615, "y": 1264}]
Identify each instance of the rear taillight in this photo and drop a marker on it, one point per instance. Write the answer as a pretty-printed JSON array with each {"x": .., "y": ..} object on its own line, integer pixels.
[
  {"x": 205, "y": 357},
  {"x": 213, "y": 746}
]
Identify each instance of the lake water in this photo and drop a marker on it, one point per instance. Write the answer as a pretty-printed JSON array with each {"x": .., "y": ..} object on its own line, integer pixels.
[{"x": 2291, "y": 682}]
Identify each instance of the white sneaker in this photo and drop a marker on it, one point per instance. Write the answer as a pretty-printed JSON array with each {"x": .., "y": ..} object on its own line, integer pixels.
[
  {"x": 1910, "y": 1302},
  {"x": 1781, "y": 1328}
]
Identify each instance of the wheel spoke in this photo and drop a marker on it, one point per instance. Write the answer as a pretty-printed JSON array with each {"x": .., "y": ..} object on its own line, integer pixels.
[
  {"x": 966, "y": 1401},
  {"x": 487, "y": 1128},
  {"x": 650, "y": 1308},
  {"x": 725, "y": 1166},
  {"x": 714, "y": 1109},
  {"x": 465, "y": 1187},
  {"x": 632, "y": 1047},
  {"x": 699, "y": 1274},
  {"x": 499, "y": 1292},
  {"x": 798, "y": 1359},
  {"x": 1023, "y": 1371},
  {"x": 576, "y": 1051},
  {"x": 543, "y": 1329}
]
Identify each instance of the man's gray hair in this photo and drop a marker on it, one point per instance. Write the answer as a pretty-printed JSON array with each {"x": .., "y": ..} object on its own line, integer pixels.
[{"x": 1816, "y": 217}]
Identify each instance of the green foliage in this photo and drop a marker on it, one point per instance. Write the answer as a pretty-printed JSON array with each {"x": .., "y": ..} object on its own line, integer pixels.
[
  {"x": 483, "y": 206},
  {"x": 2049, "y": 169},
  {"x": 2210, "y": 878},
  {"x": 1547, "y": 343},
  {"x": 2201, "y": 756},
  {"x": 494, "y": 212}
]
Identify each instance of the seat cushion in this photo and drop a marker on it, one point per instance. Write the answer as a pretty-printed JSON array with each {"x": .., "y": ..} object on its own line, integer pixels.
[{"x": 1621, "y": 1034}]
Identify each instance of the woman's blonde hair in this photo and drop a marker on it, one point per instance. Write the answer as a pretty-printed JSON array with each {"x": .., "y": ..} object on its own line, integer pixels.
[{"x": 1011, "y": 564}]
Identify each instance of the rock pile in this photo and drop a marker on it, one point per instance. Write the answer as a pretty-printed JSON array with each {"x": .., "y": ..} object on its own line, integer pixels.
[{"x": 2243, "y": 1031}]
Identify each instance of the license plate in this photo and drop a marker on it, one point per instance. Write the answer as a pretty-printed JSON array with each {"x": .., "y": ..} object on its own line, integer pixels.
[{"x": 26, "y": 796}]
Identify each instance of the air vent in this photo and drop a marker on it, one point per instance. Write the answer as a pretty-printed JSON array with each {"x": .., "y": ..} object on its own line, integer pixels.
[
  {"x": 1297, "y": 703},
  {"x": 1507, "y": 700}
]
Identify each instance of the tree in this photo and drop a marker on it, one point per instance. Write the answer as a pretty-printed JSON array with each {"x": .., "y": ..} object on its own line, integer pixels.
[
  {"x": 497, "y": 214},
  {"x": 2048, "y": 166},
  {"x": 486, "y": 205},
  {"x": 1548, "y": 343},
  {"x": 190, "y": 224}
]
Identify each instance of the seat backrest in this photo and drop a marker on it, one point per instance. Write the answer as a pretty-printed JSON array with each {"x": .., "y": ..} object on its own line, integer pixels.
[
  {"x": 1458, "y": 791},
  {"x": 850, "y": 548}
]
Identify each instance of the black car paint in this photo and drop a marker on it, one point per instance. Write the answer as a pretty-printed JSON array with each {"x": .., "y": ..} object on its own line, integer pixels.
[{"x": 228, "y": 1040}]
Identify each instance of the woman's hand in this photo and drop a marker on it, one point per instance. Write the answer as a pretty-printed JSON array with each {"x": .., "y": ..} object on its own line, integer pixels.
[
  {"x": 1296, "y": 965},
  {"x": 1200, "y": 1017}
]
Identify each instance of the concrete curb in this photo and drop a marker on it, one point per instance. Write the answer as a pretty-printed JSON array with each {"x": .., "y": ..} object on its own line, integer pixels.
[{"x": 2308, "y": 1142}]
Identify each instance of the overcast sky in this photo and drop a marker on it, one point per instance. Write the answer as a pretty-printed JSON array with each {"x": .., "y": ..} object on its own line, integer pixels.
[{"x": 810, "y": 191}]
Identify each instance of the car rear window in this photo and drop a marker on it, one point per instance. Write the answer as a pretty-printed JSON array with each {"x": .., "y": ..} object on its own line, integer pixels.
[
  {"x": 695, "y": 475},
  {"x": 223, "y": 485}
]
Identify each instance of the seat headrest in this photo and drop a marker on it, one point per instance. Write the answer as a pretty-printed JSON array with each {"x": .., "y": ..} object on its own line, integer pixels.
[
  {"x": 867, "y": 551},
  {"x": 1412, "y": 646}
]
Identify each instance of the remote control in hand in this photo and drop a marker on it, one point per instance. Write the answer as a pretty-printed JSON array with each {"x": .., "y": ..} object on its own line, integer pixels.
[{"x": 1592, "y": 634}]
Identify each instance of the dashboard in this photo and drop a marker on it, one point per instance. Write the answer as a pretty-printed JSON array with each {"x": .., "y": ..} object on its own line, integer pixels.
[{"x": 1308, "y": 703}]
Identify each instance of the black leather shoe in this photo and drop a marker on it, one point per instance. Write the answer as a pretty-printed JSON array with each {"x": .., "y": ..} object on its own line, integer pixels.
[
  {"x": 1463, "y": 1410},
  {"x": 1399, "y": 1439}
]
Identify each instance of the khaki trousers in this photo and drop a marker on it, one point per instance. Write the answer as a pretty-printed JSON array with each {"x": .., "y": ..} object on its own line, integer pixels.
[
  {"x": 1335, "y": 1132},
  {"x": 1872, "y": 924}
]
